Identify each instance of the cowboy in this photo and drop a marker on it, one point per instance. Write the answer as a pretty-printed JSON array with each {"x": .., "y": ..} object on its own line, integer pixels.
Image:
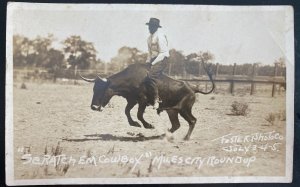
[{"x": 157, "y": 57}]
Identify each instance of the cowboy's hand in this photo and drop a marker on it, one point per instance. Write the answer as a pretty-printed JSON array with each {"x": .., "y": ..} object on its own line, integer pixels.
[{"x": 149, "y": 65}]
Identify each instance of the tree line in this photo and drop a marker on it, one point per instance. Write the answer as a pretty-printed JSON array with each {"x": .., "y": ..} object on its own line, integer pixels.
[{"x": 78, "y": 54}]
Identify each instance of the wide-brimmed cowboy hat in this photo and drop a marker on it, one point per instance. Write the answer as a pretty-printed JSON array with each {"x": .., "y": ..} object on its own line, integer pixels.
[{"x": 154, "y": 22}]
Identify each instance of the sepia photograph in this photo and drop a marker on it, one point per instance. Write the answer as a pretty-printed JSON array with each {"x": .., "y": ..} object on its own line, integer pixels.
[{"x": 132, "y": 93}]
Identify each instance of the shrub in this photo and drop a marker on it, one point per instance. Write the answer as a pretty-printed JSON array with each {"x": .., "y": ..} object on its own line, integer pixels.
[{"x": 239, "y": 108}]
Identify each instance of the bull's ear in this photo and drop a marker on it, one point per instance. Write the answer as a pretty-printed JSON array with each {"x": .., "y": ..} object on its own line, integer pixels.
[{"x": 102, "y": 79}]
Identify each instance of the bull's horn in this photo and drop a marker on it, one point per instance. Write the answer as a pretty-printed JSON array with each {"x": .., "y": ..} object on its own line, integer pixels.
[
  {"x": 86, "y": 79},
  {"x": 103, "y": 79}
]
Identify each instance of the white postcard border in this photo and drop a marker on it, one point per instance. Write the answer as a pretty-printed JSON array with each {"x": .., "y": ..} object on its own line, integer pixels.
[{"x": 9, "y": 153}]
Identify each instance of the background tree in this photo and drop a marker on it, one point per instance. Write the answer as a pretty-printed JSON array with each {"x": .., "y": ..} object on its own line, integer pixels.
[
  {"x": 244, "y": 69},
  {"x": 41, "y": 47},
  {"x": 126, "y": 56},
  {"x": 192, "y": 65},
  {"x": 176, "y": 62},
  {"x": 280, "y": 61},
  {"x": 22, "y": 49},
  {"x": 37, "y": 52},
  {"x": 281, "y": 66},
  {"x": 79, "y": 53},
  {"x": 194, "y": 62},
  {"x": 55, "y": 63}
]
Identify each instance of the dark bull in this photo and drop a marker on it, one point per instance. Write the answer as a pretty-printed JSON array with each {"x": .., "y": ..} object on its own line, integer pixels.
[{"x": 177, "y": 97}]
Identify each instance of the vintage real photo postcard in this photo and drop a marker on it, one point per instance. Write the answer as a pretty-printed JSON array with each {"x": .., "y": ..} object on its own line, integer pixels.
[{"x": 119, "y": 94}]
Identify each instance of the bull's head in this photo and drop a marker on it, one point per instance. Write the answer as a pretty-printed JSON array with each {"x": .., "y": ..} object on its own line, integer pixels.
[{"x": 102, "y": 92}]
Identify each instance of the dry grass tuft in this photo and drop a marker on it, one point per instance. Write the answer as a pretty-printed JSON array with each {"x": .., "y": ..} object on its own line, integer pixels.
[
  {"x": 150, "y": 166},
  {"x": 271, "y": 117},
  {"x": 282, "y": 115},
  {"x": 57, "y": 150},
  {"x": 23, "y": 86},
  {"x": 138, "y": 173},
  {"x": 46, "y": 150},
  {"x": 111, "y": 150},
  {"x": 89, "y": 153},
  {"x": 65, "y": 168}
]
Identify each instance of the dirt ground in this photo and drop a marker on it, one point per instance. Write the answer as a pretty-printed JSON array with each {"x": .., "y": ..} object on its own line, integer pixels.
[{"x": 56, "y": 119}]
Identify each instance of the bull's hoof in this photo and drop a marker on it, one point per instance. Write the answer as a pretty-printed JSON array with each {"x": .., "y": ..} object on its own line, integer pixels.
[
  {"x": 172, "y": 130},
  {"x": 186, "y": 138},
  {"x": 135, "y": 124},
  {"x": 169, "y": 137},
  {"x": 148, "y": 126}
]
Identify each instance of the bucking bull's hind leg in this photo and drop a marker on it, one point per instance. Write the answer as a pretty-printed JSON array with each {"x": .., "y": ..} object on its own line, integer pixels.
[
  {"x": 187, "y": 115},
  {"x": 129, "y": 106},
  {"x": 140, "y": 116},
  {"x": 173, "y": 116},
  {"x": 186, "y": 112}
]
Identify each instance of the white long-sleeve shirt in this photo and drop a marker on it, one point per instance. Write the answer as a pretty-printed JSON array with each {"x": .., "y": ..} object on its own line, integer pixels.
[{"x": 157, "y": 47}]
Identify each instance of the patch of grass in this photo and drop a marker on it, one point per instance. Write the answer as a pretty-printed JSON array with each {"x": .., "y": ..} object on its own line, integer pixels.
[{"x": 61, "y": 168}]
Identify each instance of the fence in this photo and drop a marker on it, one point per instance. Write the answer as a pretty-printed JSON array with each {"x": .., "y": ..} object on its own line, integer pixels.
[
  {"x": 253, "y": 79},
  {"x": 38, "y": 74}
]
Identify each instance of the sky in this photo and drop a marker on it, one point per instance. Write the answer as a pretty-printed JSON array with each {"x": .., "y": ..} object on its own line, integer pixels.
[{"x": 234, "y": 35}]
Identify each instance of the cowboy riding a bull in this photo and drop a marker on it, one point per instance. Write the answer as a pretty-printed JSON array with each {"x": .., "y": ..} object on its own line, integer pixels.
[{"x": 145, "y": 84}]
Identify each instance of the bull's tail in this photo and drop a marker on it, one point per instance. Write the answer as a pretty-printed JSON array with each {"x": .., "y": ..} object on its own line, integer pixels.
[{"x": 209, "y": 73}]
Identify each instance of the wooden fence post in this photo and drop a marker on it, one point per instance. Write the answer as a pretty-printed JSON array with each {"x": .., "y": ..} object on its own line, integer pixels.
[
  {"x": 75, "y": 75},
  {"x": 252, "y": 91},
  {"x": 199, "y": 70},
  {"x": 184, "y": 73},
  {"x": 216, "y": 75},
  {"x": 274, "y": 85},
  {"x": 232, "y": 81},
  {"x": 170, "y": 68},
  {"x": 105, "y": 68}
]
